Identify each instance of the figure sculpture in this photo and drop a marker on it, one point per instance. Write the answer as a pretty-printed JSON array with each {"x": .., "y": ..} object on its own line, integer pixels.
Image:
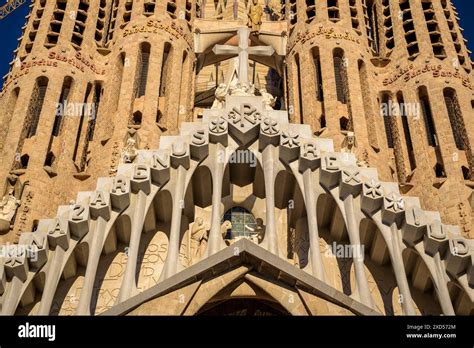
[
  {"x": 130, "y": 149},
  {"x": 221, "y": 92},
  {"x": 8, "y": 206},
  {"x": 255, "y": 17},
  {"x": 268, "y": 99},
  {"x": 198, "y": 239}
]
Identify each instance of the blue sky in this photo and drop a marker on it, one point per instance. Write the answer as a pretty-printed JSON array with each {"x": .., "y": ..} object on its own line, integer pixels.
[{"x": 10, "y": 29}]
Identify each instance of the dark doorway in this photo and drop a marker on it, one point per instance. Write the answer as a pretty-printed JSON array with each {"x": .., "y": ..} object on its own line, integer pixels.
[{"x": 243, "y": 307}]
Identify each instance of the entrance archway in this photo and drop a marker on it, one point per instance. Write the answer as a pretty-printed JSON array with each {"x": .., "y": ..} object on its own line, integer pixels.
[{"x": 244, "y": 307}]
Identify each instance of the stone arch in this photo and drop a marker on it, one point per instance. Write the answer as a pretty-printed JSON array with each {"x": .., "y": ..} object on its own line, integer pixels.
[
  {"x": 238, "y": 177},
  {"x": 68, "y": 291},
  {"x": 197, "y": 203},
  {"x": 379, "y": 270},
  {"x": 462, "y": 303},
  {"x": 332, "y": 231},
  {"x": 111, "y": 267},
  {"x": 31, "y": 297},
  {"x": 292, "y": 221},
  {"x": 421, "y": 283},
  {"x": 154, "y": 241}
]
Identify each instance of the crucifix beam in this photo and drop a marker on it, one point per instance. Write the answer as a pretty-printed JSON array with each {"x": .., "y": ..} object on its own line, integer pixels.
[{"x": 243, "y": 51}]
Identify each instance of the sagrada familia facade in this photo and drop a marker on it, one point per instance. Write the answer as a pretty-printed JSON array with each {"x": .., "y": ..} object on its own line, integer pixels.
[{"x": 238, "y": 157}]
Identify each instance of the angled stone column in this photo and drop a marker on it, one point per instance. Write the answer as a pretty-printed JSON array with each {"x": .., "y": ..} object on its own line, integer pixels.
[
  {"x": 310, "y": 160},
  {"x": 179, "y": 161},
  {"x": 58, "y": 237},
  {"x": 351, "y": 184},
  {"x": 435, "y": 242},
  {"x": 215, "y": 239},
  {"x": 271, "y": 239},
  {"x": 141, "y": 186},
  {"x": 392, "y": 215},
  {"x": 16, "y": 267},
  {"x": 100, "y": 210}
]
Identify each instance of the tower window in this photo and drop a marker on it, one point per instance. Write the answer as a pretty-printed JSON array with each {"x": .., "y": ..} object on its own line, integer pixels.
[
  {"x": 455, "y": 118},
  {"x": 143, "y": 66},
  {"x": 340, "y": 76},
  {"x": 164, "y": 69},
  {"x": 429, "y": 122},
  {"x": 36, "y": 105}
]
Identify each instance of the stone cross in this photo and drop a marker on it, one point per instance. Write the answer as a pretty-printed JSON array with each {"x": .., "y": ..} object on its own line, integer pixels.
[{"x": 243, "y": 51}]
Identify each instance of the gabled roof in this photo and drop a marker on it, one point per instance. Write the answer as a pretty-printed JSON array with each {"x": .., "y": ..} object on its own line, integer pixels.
[{"x": 244, "y": 252}]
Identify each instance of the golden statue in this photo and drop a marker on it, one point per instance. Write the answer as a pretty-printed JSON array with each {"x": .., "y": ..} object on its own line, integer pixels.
[{"x": 255, "y": 15}]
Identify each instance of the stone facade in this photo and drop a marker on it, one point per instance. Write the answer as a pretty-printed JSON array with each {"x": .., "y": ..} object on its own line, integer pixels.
[{"x": 136, "y": 135}]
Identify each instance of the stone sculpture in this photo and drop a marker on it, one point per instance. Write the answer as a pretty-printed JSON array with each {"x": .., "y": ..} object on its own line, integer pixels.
[
  {"x": 131, "y": 146},
  {"x": 8, "y": 207},
  {"x": 255, "y": 17}
]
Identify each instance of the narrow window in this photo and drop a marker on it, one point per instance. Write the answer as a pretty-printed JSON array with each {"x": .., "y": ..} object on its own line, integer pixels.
[
  {"x": 318, "y": 75},
  {"x": 164, "y": 69},
  {"x": 143, "y": 65},
  {"x": 406, "y": 130},
  {"x": 36, "y": 105},
  {"x": 455, "y": 118},
  {"x": 340, "y": 75},
  {"x": 300, "y": 90}
]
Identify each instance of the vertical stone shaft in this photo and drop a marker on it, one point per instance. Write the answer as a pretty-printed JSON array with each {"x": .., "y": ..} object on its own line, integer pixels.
[
  {"x": 399, "y": 270},
  {"x": 172, "y": 259},
  {"x": 441, "y": 284},
  {"x": 353, "y": 232},
  {"x": 128, "y": 282},
  {"x": 271, "y": 238},
  {"x": 215, "y": 238},
  {"x": 84, "y": 307},
  {"x": 51, "y": 282},
  {"x": 310, "y": 201}
]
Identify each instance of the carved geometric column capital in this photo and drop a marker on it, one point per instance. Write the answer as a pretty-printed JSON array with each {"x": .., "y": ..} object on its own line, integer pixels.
[
  {"x": 351, "y": 181},
  {"x": 415, "y": 225},
  {"x": 289, "y": 146},
  {"x": 218, "y": 131},
  {"x": 141, "y": 178},
  {"x": 120, "y": 193},
  {"x": 160, "y": 167},
  {"x": 269, "y": 133},
  {"x": 15, "y": 262},
  {"x": 372, "y": 196},
  {"x": 180, "y": 154},
  {"x": 436, "y": 238},
  {"x": 100, "y": 205},
  {"x": 310, "y": 156},
  {"x": 393, "y": 208},
  {"x": 58, "y": 233},
  {"x": 458, "y": 256},
  {"x": 79, "y": 217},
  {"x": 330, "y": 170},
  {"x": 36, "y": 244},
  {"x": 199, "y": 144}
]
